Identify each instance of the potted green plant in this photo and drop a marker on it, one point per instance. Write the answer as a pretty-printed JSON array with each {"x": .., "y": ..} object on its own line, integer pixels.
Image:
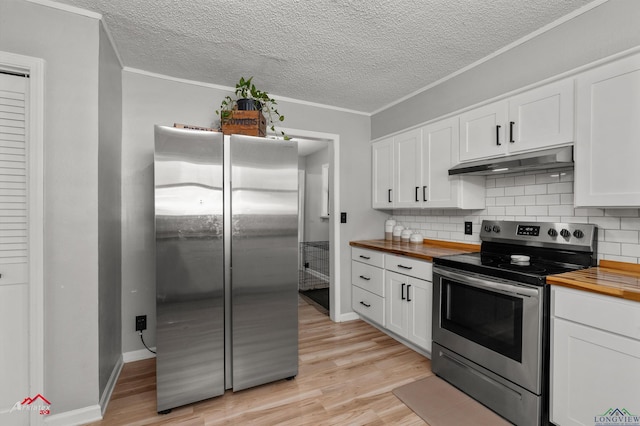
[{"x": 247, "y": 98}]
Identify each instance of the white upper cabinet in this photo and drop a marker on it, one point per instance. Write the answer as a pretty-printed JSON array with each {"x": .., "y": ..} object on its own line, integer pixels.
[
  {"x": 482, "y": 131},
  {"x": 439, "y": 152},
  {"x": 406, "y": 181},
  {"x": 382, "y": 174},
  {"x": 535, "y": 119},
  {"x": 542, "y": 117},
  {"x": 418, "y": 162},
  {"x": 607, "y": 152}
]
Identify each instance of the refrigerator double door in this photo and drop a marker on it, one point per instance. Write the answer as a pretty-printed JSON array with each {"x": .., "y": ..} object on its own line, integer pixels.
[{"x": 251, "y": 239}]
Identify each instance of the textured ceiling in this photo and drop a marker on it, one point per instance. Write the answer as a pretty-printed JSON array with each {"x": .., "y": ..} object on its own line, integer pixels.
[{"x": 355, "y": 54}]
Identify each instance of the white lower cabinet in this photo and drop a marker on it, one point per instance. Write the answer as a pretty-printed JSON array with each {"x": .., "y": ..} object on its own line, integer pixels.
[
  {"x": 394, "y": 292},
  {"x": 367, "y": 284},
  {"x": 595, "y": 359},
  {"x": 408, "y": 307}
]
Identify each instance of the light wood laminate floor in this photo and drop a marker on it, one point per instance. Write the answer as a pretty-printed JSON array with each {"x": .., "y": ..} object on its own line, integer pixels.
[{"x": 346, "y": 374}]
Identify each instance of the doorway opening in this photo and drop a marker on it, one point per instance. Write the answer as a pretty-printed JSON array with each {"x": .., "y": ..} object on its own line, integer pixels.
[{"x": 313, "y": 222}]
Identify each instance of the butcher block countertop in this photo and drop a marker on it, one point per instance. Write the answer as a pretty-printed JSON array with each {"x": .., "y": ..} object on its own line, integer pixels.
[
  {"x": 425, "y": 251},
  {"x": 618, "y": 279}
]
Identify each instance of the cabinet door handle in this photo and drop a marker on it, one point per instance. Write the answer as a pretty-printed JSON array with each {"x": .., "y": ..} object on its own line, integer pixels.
[
  {"x": 365, "y": 278},
  {"x": 417, "y": 189},
  {"x": 402, "y": 291},
  {"x": 389, "y": 195},
  {"x": 408, "y": 297},
  {"x": 366, "y": 305},
  {"x": 498, "y": 135},
  {"x": 511, "y": 123},
  {"x": 405, "y": 267},
  {"x": 365, "y": 257},
  {"x": 424, "y": 193}
]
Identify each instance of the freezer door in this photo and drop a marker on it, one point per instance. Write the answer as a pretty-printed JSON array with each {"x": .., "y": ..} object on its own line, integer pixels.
[
  {"x": 188, "y": 178},
  {"x": 264, "y": 259}
]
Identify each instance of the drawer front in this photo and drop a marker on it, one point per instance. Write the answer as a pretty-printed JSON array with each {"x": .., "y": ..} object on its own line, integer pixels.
[
  {"x": 368, "y": 277},
  {"x": 608, "y": 313},
  {"x": 404, "y": 265},
  {"x": 368, "y": 305},
  {"x": 370, "y": 257}
]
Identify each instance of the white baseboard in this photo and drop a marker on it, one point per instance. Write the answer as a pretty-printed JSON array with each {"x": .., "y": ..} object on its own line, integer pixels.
[
  {"x": 111, "y": 384},
  {"x": 349, "y": 316},
  {"x": 137, "y": 355},
  {"x": 80, "y": 416}
]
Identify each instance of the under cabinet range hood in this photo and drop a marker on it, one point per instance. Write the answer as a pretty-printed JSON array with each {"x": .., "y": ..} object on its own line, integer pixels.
[{"x": 545, "y": 159}]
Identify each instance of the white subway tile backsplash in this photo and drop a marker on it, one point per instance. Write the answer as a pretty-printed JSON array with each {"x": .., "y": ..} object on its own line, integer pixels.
[
  {"x": 525, "y": 180},
  {"x": 495, "y": 192},
  {"x": 630, "y": 223},
  {"x": 525, "y": 200},
  {"x": 505, "y": 201},
  {"x": 609, "y": 248},
  {"x": 535, "y": 189},
  {"x": 547, "y": 178},
  {"x": 561, "y": 210},
  {"x": 537, "y": 210},
  {"x": 549, "y": 199},
  {"x": 514, "y": 190},
  {"x": 533, "y": 196},
  {"x": 621, "y": 236}
]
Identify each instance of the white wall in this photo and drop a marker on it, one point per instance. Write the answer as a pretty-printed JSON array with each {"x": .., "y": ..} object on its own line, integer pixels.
[
  {"x": 69, "y": 45},
  {"x": 150, "y": 100},
  {"x": 315, "y": 227},
  {"x": 109, "y": 210}
]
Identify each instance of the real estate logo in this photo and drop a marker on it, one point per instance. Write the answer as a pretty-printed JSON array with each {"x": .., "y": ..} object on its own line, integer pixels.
[
  {"x": 617, "y": 417},
  {"x": 38, "y": 403}
]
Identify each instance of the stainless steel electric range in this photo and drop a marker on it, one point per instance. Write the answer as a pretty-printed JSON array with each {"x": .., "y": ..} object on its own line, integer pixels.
[{"x": 491, "y": 313}]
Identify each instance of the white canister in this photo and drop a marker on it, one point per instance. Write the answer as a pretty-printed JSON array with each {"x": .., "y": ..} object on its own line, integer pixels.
[
  {"x": 397, "y": 232},
  {"x": 405, "y": 235},
  {"x": 416, "y": 238},
  {"x": 388, "y": 229}
]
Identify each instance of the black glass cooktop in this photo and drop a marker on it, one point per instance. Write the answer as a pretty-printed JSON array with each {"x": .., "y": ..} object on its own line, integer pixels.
[{"x": 502, "y": 265}]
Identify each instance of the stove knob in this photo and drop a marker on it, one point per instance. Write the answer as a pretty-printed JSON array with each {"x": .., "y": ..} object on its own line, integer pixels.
[
  {"x": 578, "y": 233},
  {"x": 496, "y": 228},
  {"x": 487, "y": 228},
  {"x": 552, "y": 233},
  {"x": 565, "y": 233}
]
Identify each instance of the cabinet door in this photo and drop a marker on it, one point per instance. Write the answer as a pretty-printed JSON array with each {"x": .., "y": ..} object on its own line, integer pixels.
[
  {"x": 482, "y": 132},
  {"x": 382, "y": 174},
  {"x": 541, "y": 117},
  {"x": 595, "y": 375},
  {"x": 396, "y": 302},
  {"x": 608, "y": 131},
  {"x": 419, "y": 296},
  {"x": 407, "y": 164},
  {"x": 439, "y": 152}
]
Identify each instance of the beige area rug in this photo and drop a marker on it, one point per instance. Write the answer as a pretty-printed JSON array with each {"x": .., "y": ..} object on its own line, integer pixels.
[{"x": 440, "y": 404}]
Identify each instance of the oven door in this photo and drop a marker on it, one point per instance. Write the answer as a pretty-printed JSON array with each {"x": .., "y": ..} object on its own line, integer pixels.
[{"x": 495, "y": 323}]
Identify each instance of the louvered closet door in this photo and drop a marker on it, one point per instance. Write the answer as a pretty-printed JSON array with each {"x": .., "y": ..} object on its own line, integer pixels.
[{"x": 14, "y": 287}]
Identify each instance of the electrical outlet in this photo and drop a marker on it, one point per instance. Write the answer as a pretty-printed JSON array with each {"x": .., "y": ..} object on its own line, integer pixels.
[
  {"x": 468, "y": 228},
  {"x": 343, "y": 217},
  {"x": 141, "y": 322}
]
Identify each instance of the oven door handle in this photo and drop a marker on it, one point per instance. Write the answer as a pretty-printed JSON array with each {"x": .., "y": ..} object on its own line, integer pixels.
[{"x": 491, "y": 285}]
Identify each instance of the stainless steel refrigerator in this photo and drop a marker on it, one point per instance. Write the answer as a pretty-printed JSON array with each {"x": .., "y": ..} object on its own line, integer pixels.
[{"x": 226, "y": 221}]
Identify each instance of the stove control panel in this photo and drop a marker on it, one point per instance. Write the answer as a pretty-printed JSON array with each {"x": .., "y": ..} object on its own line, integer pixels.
[{"x": 580, "y": 236}]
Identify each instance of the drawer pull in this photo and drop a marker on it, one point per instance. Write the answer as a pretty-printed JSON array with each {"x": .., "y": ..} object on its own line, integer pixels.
[
  {"x": 366, "y": 305},
  {"x": 365, "y": 257},
  {"x": 405, "y": 267},
  {"x": 365, "y": 278}
]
